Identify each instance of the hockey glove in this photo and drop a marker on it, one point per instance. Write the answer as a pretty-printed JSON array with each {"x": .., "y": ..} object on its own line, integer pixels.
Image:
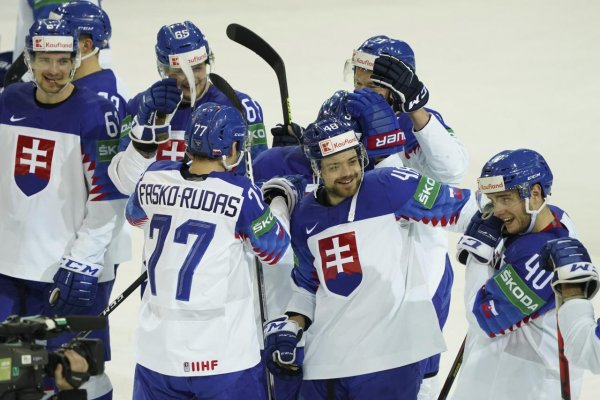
[
  {"x": 161, "y": 99},
  {"x": 408, "y": 92},
  {"x": 290, "y": 187},
  {"x": 381, "y": 133},
  {"x": 286, "y": 135},
  {"x": 281, "y": 338},
  {"x": 480, "y": 239},
  {"x": 571, "y": 263},
  {"x": 75, "y": 286}
]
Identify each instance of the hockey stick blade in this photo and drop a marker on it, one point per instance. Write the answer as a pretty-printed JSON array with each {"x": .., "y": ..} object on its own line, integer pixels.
[{"x": 244, "y": 36}]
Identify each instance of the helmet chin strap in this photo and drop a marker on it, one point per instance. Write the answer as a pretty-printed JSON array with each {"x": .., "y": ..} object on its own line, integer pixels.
[
  {"x": 533, "y": 213},
  {"x": 229, "y": 167},
  {"x": 92, "y": 53}
]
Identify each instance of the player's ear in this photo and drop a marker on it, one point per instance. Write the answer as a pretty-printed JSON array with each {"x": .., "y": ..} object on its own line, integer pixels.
[
  {"x": 234, "y": 149},
  {"x": 86, "y": 44},
  {"x": 536, "y": 190}
]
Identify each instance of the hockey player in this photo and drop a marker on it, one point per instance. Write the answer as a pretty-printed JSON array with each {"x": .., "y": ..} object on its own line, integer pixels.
[
  {"x": 512, "y": 343},
  {"x": 28, "y": 12},
  {"x": 368, "y": 315},
  {"x": 388, "y": 66},
  {"x": 370, "y": 115},
  {"x": 95, "y": 32},
  {"x": 197, "y": 331},
  {"x": 59, "y": 207},
  {"x": 575, "y": 283},
  {"x": 184, "y": 60}
]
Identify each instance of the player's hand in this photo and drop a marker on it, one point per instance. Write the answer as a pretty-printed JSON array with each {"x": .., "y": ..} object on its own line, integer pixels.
[
  {"x": 480, "y": 239},
  {"x": 290, "y": 187},
  {"x": 160, "y": 100},
  {"x": 406, "y": 88},
  {"x": 281, "y": 338},
  {"x": 75, "y": 286},
  {"x": 571, "y": 263},
  {"x": 286, "y": 135},
  {"x": 377, "y": 121}
]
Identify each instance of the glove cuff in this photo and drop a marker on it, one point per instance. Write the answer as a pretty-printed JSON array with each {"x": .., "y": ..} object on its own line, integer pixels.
[
  {"x": 477, "y": 248},
  {"x": 80, "y": 267},
  {"x": 283, "y": 323},
  {"x": 149, "y": 133}
]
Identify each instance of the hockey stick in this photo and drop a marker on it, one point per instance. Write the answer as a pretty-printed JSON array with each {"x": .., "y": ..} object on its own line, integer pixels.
[
  {"x": 453, "y": 372},
  {"x": 252, "y": 41},
  {"x": 116, "y": 302},
  {"x": 228, "y": 91},
  {"x": 16, "y": 70}
]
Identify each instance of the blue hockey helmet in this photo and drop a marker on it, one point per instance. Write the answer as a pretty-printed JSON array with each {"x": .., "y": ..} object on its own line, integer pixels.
[
  {"x": 364, "y": 56},
  {"x": 48, "y": 35},
  {"x": 516, "y": 169},
  {"x": 89, "y": 18},
  {"x": 181, "y": 47},
  {"x": 329, "y": 136},
  {"x": 212, "y": 131},
  {"x": 182, "y": 38},
  {"x": 335, "y": 106}
]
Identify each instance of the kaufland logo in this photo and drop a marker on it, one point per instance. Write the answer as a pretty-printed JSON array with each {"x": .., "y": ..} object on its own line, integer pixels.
[
  {"x": 191, "y": 58},
  {"x": 174, "y": 61},
  {"x": 52, "y": 43},
  {"x": 491, "y": 184},
  {"x": 363, "y": 60},
  {"x": 338, "y": 143}
]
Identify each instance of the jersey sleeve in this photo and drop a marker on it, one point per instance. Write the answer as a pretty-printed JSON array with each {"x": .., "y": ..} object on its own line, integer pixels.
[
  {"x": 519, "y": 291},
  {"x": 420, "y": 198},
  {"x": 134, "y": 212},
  {"x": 581, "y": 334},
  {"x": 437, "y": 152},
  {"x": 105, "y": 203},
  {"x": 305, "y": 281},
  {"x": 268, "y": 238},
  {"x": 256, "y": 124},
  {"x": 128, "y": 165}
]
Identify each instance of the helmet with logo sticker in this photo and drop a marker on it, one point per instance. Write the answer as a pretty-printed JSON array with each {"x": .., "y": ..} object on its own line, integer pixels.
[
  {"x": 181, "y": 38},
  {"x": 375, "y": 46},
  {"x": 516, "y": 169},
  {"x": 48, "y": 35},
  {"x": 212, "y": 131},
  {"x": 329, "y": 136},
  {"x": 89, "y": 18}
]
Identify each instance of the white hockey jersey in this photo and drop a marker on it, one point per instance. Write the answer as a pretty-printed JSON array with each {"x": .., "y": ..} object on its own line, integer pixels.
[
  {"x": 521, "y": 360},
  {"x": 197, "y": 314},
  {"x": 56, "y": 198},
  {"x": 581, "y": 334},
  {"x": 370, "y": 310}
]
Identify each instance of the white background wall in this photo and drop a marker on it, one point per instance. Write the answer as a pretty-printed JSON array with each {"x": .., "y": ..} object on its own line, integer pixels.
[{"x": 505, "y": 74}]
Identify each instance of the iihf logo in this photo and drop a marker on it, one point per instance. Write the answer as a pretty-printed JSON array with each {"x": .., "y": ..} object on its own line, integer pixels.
[{"x": 186, "y": 366}]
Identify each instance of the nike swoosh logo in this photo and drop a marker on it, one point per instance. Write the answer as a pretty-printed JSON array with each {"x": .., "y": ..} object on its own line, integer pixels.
[
  {"x": 13, "y": 119},
  {"x": 308, "y": 231}
]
